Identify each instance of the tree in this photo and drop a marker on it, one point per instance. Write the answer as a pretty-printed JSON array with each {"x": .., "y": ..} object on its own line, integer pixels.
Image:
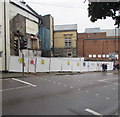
[{"x": 101, "y": 10}]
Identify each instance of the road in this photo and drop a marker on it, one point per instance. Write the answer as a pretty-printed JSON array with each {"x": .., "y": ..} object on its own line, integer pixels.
[{"x": 61, "y": 94}]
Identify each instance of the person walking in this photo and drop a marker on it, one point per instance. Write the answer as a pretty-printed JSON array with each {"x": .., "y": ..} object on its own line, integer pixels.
[
  {"x": 118, "y": 67},
  {"x": 106, "y": 67},
  {"x": 103, "y": 67}
]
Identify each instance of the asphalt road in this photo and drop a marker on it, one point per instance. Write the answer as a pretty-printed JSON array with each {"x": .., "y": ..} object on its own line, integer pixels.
[{"x": 61, "y": 94}]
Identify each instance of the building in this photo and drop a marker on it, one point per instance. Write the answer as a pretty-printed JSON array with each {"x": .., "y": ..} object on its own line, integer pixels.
[
  {"x": 65, "y": 40},
  {"x": 24, "y": 30},
  {"x": 4, "y": 35},
  {"x": 46, "y": 34},
  {"x": 99, "y": 44}
]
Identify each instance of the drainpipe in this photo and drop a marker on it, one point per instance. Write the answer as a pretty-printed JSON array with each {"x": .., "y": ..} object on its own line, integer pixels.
[{"x": 5, "y": 36}]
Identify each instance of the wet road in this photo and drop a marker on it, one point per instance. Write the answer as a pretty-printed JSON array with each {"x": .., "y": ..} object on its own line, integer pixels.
[{"x": 57, "y": 94}]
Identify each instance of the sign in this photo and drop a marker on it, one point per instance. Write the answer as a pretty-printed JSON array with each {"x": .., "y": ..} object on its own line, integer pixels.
[
  {"x": 84, "y": 64},
  {"x": 42, "y": 61},
  {"x": 20, "y": 60},
  {"x": 31, "y": 27},
  {"x": 68, "y": 62},
  {"x": 112, "y": 56},
  {"x": 31, "y": 61},
  {"x": 78, "y": 64}
]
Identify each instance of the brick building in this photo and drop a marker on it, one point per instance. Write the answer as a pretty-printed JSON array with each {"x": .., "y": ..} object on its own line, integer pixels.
[{"x": 98, "y": 45}]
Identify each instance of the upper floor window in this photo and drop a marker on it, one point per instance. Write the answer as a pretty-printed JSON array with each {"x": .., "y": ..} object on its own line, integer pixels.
[{"x": 68, "y": 42}]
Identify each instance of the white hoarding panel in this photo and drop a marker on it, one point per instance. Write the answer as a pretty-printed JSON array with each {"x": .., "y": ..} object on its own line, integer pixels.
[
  {"x": 32, "y": 64},
  {"x": 43, "y": 65},
  {"x": 76, "y": 66},
  {"x": 84, "y": 66},
  {"x": 92, "y": 66},
  {"x": 55, "y": 64},
  {"x": 15, "y": 64},
  {"x": 66, "y": 64}
]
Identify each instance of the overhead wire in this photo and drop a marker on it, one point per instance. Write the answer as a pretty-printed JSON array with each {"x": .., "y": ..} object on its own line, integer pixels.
[{"x": 56, "y": 5}]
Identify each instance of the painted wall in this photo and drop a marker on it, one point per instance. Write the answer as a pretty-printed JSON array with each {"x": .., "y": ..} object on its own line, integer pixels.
[
  {"x": 14, "y": 10},
  {"x": 59, "y": 37}
]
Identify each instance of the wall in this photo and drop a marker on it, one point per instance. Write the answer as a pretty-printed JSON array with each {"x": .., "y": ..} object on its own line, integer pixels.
[
  {"x": 59, "y": 43},
  {"x": 46, "y": 33},
  {"x": 97, "y": 44},
  {"x": 42, "y": 64},
  {"x": 14, "y": 10},
  {"x": 59, "y": 38},
  {"x": 4, "y": 62}
]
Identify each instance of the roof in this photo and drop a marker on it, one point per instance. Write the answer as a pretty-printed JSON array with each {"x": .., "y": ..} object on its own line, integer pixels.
[
  {"x": 23, "y": 6},
  {"x": 92, "y": 30},
  {"x": 111, "y": 32},
  {"x": 68, "y": 27}
]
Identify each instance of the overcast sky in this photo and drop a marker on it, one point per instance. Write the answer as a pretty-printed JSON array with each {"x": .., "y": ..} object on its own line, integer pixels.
[{"x": 69, "y": 12}]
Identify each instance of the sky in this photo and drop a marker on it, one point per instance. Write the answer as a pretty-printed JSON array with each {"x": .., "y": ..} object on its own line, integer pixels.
[{"x": 69, "y": 12}]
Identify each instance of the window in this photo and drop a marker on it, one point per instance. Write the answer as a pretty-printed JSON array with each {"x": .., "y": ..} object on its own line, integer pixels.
[
  {"x": 68, "y": 42},
  {"x": 107, "y": 56},
  {"x": 103, "y": 55},
  {"x": 90, "y": 56},
  {"x": 94, "y": 56},
  {"x": 99, "y": 55}
]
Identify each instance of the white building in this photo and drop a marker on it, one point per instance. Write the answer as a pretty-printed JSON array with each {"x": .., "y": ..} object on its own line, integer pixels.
[
  {"x": 8, "y": 10},
  {"x": 4, "y": 35}
]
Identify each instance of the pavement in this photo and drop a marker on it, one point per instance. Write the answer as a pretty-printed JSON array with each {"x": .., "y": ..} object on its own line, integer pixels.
[
  {"x": 18, "y": 74},
  {"x": 88, "y": 94}
]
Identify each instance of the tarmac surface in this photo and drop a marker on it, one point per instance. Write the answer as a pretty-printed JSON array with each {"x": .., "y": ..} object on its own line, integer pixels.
[{"x": 94, "y": 93}]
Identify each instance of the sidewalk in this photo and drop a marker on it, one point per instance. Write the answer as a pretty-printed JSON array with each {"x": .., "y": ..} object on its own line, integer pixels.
[
  {"x": 11, "y": 75},
  {"x": 18, "y": 75}
]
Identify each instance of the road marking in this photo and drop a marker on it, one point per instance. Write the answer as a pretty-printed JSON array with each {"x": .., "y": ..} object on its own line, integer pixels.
[
  {"x": 79, "y": 89},
  {"x": 97, "y": 94},
  {"x": 92, "y": 111},
  {"x": 107, "y": 79},
  {"x": 54, "y": 82},
  {"x": 113, "y": 88},
  {"x": 86, "y": 91},
  {"x": 59, "y": 83},
  {"x": 71, "y": 87},
  {"x": 105, "y": 86},
  {"x": 15, "y": 88},
  {"x": 49, "y": 80},
  {"x": 24, "y": 82}
]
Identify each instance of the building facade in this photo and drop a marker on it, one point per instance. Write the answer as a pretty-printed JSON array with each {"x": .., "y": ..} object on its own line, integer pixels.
[
  {"x": 65, "y": 40},
  {"x": 99, "y": 45},
  {"x": 46, "y": 34},
  {"x": 24, "y": 30},
  {"x": 4, "y": 35}
]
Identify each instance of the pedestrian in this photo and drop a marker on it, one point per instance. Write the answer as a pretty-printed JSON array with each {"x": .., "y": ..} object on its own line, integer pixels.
[
  {"x": 118, "y": 67},
  {"x": 114, "y": 67},
  {"x": 106, "y": 67},
  {"x": 103, "y": 67}
]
